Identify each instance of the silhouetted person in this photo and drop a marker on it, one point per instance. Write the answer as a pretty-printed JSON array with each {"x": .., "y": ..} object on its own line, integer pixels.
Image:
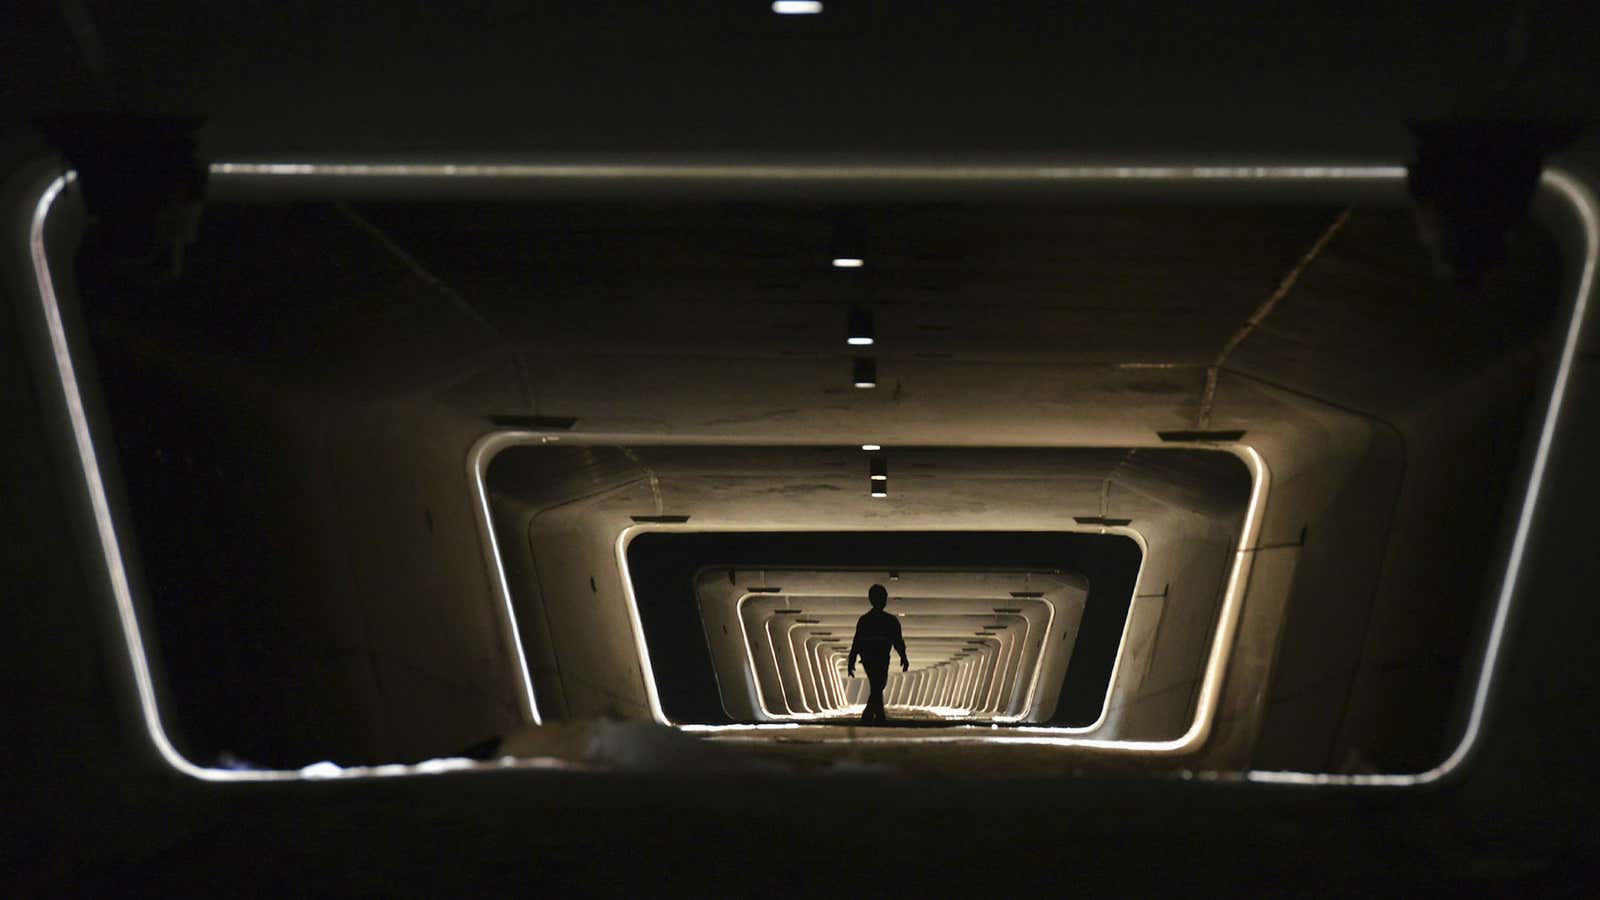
[{"x": 876, "y": 632}]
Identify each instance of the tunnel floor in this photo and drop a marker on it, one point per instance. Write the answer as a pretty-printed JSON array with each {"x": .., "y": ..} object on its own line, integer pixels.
[{"x": 910, "y": 748}]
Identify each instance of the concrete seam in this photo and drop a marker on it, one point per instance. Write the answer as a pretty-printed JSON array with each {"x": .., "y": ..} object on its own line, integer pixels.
[{"x": 1209, "y": 396}]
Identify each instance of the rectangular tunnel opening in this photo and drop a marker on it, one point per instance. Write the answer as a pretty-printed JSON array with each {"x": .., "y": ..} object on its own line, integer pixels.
[
  {"x": 677, "y": 584},
  {"x": 665, "y": 630},
  {"x": 286, "y": 444}
]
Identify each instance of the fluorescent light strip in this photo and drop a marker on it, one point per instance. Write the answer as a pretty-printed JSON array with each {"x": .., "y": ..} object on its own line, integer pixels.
[
  {"x": 796, "y": 7},
  {"x": 1384, "y": 175},
  {"x": 477, "y": 467}
]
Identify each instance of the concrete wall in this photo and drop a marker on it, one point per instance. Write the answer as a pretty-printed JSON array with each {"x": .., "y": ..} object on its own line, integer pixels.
[
  {"x": 1174, "y": 611},
  {"x": 302, "y": 542},
  {"x": 1437, "y": 580},
  {"x": 587, "y": 605},
  {"x": 564, "y": 578},
  {"x": 335, "y": 605},
  {"x": 1169, "y": 630}
]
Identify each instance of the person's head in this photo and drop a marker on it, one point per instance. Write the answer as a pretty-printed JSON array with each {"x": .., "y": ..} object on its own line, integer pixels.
[{"x": 878, "y": 595}]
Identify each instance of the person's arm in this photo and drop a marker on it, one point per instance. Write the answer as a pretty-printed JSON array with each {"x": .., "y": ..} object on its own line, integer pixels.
[
  {"x": 900, "y": 645},
  {"x": 855, "y": 650}
]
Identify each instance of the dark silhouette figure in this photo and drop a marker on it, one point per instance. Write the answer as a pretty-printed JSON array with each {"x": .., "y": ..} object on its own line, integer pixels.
[{"x": 876, "y": 632}]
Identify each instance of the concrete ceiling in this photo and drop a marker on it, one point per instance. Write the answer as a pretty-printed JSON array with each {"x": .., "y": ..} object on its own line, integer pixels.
[{"x": 1065, "y": 324}]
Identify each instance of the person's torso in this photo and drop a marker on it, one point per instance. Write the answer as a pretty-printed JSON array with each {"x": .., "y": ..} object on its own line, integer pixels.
[{"x": 875, "y": 634}]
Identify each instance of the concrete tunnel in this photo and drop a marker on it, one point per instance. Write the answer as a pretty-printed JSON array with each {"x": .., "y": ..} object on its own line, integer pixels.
[{"x": 1192, "y": 482}]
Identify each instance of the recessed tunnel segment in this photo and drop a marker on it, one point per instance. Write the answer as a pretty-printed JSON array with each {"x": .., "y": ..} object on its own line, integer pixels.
[
  {"x": 942, "y": 614},
  {"x": 1191, "y": 509}
]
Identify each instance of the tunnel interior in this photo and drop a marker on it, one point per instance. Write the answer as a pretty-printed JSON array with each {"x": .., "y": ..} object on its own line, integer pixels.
[
  {"x": 707, "y": 601},
  {"x": 403, "y": 478}
]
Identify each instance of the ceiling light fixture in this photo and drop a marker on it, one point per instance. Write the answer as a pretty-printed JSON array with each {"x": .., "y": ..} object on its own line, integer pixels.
[
  {"x": 880, "y": 469},
  {"x": 880, "y": 489},
  {"x": 871, "y": 447},
  {"x": 861, "y": 334},
  {"x": 848, "y": 248},
  {"x": 865, "y": 372},
  {"x": 797, "y": 7}
]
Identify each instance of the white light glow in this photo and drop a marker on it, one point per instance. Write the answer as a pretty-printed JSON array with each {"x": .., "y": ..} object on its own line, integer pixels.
[
  {"x": 880, "y": 478},
  {"x": 871, "y": 447},
  {"x": 797, "y": 7},
  {"x": 866, "y": 384},
  {"x": 859, "y": 341},
  {"x": 941, "y": 174},
  {"x": 848, "y": 262},
  {"x": 878, "y": 493}
]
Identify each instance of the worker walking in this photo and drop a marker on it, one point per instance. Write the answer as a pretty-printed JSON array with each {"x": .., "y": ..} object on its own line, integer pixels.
[{"x": 876, "y": 632}]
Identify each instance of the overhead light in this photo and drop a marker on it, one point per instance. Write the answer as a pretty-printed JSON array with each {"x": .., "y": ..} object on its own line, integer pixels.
[
  {"x": 797, "y": 7},
  {"x": 865, "y": 372},
  {"x": 848, "y": 249},
  {"x": 861, "y": 334},
  {"x": 880, "y": 489},
  {"x": 871, "y": 447},
  {"x": 880, "y": 469}
]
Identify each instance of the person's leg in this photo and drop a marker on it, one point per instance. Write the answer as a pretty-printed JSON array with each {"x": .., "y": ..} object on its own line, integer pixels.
[{"x": 877, "y": 678}]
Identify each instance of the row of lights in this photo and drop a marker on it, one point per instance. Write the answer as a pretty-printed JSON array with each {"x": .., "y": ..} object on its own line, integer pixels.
[{"x": 848, "y": 251}]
